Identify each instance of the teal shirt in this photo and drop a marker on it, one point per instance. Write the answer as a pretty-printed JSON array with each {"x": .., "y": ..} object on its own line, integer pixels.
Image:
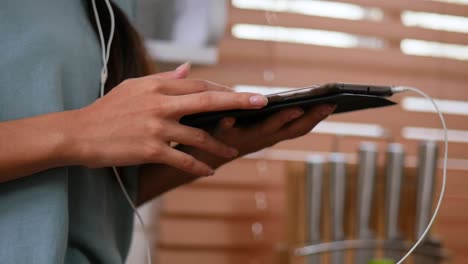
[{"x": 50, "y": 62}]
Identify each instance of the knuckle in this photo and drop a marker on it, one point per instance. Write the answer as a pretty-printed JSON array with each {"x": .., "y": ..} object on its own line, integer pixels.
[
  {"x": 291, "y": 133},
  {"x": 188, "y": 163},
  {"x": 302, "y": 132},
  {"x": 155, "y": 128},
  {"x": 152, "y": 152},
  {"x": 201, "y": 85},
  {"x": 201, "y": 137},
  {"x": 208, "y": 98},
  {"x": 163, "y": 108},
  {"x": 154, "y": 85},
  {"x": 319, "y": 115},
  {"x": 204, "y": 100},
  {"x": 270, "y": 143}
]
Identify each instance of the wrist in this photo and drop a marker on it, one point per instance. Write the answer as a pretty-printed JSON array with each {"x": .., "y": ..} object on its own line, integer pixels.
[{"x": 69, "y": 149}]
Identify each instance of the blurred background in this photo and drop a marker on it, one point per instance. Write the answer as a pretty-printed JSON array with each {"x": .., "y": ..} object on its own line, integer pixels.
[{"x": 361, "y": 185}]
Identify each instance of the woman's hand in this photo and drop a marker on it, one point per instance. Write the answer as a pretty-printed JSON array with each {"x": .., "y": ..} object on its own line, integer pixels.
[
  {"x": 287, "y": 124},
  {"x": 135, "y": 122},
  {"x": 284, "y": 125}
]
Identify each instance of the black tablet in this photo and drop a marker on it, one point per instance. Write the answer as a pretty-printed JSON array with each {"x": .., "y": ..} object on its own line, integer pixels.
[{"x": 346, "y": 97}]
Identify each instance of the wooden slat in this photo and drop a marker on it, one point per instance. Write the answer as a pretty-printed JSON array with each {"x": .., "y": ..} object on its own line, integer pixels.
[
  {"x": 322, "y": 142},
  {"x": 414, "y": 5},
  {"x": 184, "y": 256},
  {"x": 295, "y": 224},
  {"x": 401, "y": 118},
  {"x": 306, "y": 73},
  {"x": 389, "y": 30},
  {"x": 250, "y": 51},
  {"x": 220, "y": 202},
  {"x": 279, "y": 154},
  {"x": 217, "y": 234},
  {"x": 229, "y": 175}
]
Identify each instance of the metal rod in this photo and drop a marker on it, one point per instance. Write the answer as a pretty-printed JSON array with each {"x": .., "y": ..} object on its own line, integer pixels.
[
  {"x": 426, "y": 180},
  {"x": 394, "y": 176},
  {"x": 314, "y": 183},
  {"x": 365, "y": 195},
  {"x": 337, "y": 202}
]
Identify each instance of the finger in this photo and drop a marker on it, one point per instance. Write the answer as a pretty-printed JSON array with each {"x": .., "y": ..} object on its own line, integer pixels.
[
  {"x": 180, "y": 72},
  {"x": 185, "y": 162},
  {"x": 215, "y": 101},
  {"x": 223, "y": 125},
  {"x": 304, "y": 124},
  {"x": 189, "y": 86},
  {"x": 276, "y": 121},
  {"x": 226, "y": 123},
  {"x": 197, "y": 138}
]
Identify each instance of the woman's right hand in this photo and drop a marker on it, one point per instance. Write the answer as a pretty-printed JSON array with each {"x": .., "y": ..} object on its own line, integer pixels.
[{"x": 134, "y": 123}]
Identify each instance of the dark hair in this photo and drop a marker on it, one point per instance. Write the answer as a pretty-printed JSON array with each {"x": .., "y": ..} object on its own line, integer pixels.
[{"x": 128, "y": 57}]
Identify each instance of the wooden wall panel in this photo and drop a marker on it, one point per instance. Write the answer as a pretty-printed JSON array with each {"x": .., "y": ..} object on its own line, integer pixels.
[
  {"x": 251, "y": 51},
  {"x": 218, "y": 233},
  {"x": 210, "y": 221}
]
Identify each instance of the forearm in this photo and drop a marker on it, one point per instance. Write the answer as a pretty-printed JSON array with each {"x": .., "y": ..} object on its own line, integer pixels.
[
  {"x": 34, "y": 144},
  {"x": 156, "y": 179}
]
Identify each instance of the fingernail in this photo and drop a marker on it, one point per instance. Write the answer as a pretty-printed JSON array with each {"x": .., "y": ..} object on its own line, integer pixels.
[
  {"x": 258, "y": 100},
  {"x": 210, "y": 173},
  {"x": 186, "y": 65},
  {"x": 296, "y": 114},
  {"x": 229, "y": 122},
  {"x": 326, "y": 110}
]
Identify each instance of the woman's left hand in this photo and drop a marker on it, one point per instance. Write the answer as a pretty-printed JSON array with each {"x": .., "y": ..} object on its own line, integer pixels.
[{"x": 284, "y": 125}]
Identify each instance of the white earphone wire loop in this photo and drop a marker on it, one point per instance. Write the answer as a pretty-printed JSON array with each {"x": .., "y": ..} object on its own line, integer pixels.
[
  {"x": 105, "y": 51},
  {"x": 103, "y": 76},
  {"x": 112, "y": 30},
  {"x": 135, "y": 210},
  {"x": 444, "y": 169}
]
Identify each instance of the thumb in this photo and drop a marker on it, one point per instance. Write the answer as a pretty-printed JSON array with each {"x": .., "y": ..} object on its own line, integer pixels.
[{"x": 180, "y": 72}]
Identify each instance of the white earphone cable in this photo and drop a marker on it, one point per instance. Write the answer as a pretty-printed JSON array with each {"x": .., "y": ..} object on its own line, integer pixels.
[
  {"x": 135, "y": 210},
  {"x": 399, "y": 89},
  {"x": 105, "y": 50},
  {"x": 103, "y": 77}
]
